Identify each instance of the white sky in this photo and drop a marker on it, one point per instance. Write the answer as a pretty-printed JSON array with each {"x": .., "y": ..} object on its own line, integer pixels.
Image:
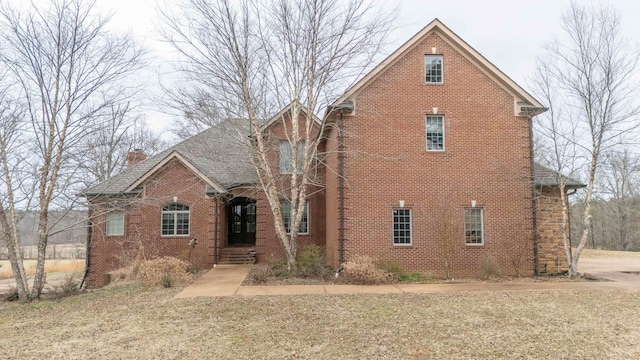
[{"x": 509, "y": 33}]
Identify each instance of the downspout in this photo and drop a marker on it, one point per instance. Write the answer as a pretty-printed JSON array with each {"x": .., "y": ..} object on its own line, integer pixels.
[
  {"x": 536, "y": 260},
  {"x": 341, "y": 188},
  {"x": 87, "y": 258},
  {"x": 215, "y": 237}
]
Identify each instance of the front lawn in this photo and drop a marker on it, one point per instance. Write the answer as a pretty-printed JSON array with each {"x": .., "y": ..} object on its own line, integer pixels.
[{"x": 129, "y": 321}]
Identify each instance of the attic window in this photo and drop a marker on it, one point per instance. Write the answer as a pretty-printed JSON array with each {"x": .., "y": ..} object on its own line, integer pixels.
[{"x": 433, "y": 69}]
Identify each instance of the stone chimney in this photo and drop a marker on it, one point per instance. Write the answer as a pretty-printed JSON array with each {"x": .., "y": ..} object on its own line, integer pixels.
[{"x": 135, "y": 157}]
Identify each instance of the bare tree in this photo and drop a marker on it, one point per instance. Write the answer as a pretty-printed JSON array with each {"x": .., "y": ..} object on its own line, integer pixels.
[
  {"x": 588, "y": 83},
  {"x": 68, "y": 69},
  {"x": 104, "y": 154},
  {"x": 253, "y": 58},
  {"x": 451, "y": 235}
]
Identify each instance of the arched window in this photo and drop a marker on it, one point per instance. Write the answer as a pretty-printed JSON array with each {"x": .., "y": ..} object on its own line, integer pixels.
[{"x": 175, "y": 220}]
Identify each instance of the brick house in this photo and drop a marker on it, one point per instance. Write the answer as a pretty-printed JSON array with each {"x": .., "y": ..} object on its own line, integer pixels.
[{"x": 427, "y": 161}]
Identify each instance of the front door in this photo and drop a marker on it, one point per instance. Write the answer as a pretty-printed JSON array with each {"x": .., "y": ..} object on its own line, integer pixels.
[{"x": 242, "y": 222}]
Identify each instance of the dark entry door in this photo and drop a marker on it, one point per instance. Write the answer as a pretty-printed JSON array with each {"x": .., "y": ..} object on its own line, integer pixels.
[{"x": 242, "y": 222}]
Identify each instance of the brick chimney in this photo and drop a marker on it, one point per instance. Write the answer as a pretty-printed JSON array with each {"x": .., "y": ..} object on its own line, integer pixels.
[{"x": 135, "y": 157}]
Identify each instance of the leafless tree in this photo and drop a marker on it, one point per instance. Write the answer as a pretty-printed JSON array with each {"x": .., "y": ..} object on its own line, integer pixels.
[
  {"x": 588, "y": 82},
  {"x": 253, "y": 58},
  {"x": 66, "y": 69},
  {"x": 104, "y": 154}
]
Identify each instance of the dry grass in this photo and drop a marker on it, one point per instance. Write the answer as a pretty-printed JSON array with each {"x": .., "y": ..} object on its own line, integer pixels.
[
  {"x": 130, "y": 321},
  {"x": 50, "y": 267},
  {"x": 591, "y": 253}
]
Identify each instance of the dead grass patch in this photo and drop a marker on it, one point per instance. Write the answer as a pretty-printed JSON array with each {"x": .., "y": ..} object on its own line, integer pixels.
[
  {"x": 592, "y": 253},
  {"x": 50, "y": 266}
]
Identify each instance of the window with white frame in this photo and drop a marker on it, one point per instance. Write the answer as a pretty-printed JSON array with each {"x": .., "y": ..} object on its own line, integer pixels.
[
  {"x": 285, "y": 208},
  {"x": 473, "y": 226},
  {"x": 433, "y": 69},
  {"x": 435, "y": 133},
  {"x": 402, "y": 226},
  {"x": 286, "y": 163},
  {"x": 115, "y": 223},
  {"x": 175, "y": 220}
]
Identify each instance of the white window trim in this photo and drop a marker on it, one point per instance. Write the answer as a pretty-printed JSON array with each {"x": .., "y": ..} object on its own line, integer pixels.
[
  {"x": 444, "y": 132},
  {"x": 481, "y": 228},
  {"x": 306, "y": 205},
  {"x": 175, "y": 226},
  {"x": 424, "y": 75},
  {"x": 106, "y": 230},
  {"x": 393, "y": 240}
]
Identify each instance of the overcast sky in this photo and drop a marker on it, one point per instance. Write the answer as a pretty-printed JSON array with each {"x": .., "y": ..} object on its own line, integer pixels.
[{"x": 510, "y": 33}]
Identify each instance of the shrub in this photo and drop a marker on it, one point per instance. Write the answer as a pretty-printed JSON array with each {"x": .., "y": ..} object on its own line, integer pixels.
[
  {"x": 12, "y": 294},
  {"x": 166, "y": 272},
  {"x": 311, "y": 262},
  {"x": 279, "y": 269},
  {"x": 490, "y": 267},
  {"x": 363, "y": 270},
  {"x": 391, "y": 266},
  {"x": 70, "y": 285},
  {"x": 260, "y": 274}
]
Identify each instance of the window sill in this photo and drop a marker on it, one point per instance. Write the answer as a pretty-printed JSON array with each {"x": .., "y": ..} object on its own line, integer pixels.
[
  {"x": 474, "y": 245},
  {"x": 174, "y": 236}
]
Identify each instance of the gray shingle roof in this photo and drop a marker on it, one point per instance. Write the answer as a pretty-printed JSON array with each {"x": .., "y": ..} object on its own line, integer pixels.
[
  {"x": 219, "y": 153},
  {"x": 543, "y": 176}
]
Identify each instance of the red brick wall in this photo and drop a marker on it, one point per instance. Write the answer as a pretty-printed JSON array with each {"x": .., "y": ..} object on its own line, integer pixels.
[
  {"x": 486, "y": 159},
  {"x": 143, "y": 221},
  {"x": 268, "y": 245}
]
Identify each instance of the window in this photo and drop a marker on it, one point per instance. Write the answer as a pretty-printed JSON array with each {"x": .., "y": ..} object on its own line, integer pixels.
[
  {"x": 433, "y": 69},
  {"x": 175, "y": 220},
  {"x": 286, "y": 165},
  {"x": 435, "y": 133},
  {"x": 473, "y": 231},
  {"x": 401, "y": 226},
  {"x": 303, "y": 228},
  {"x": 251, "y": 218},
  {"x": 115, "y": 223}
]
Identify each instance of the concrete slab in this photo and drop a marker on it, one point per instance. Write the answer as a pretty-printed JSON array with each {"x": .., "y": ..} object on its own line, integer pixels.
[
  {"x": 281, "y": 290},
  {"x": 224, "y": 280},
  {"x": 361, "y": 289}
]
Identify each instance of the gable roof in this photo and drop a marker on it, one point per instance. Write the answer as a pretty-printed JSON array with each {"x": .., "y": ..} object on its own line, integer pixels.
[
  {"x": 217, "y": 155},
  {"x": 465, "y": 49},
  {"x": 545, "y": 177}
]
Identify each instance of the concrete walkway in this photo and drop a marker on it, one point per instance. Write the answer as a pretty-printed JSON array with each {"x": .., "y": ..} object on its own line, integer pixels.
[{"x": 226, "y": 280}]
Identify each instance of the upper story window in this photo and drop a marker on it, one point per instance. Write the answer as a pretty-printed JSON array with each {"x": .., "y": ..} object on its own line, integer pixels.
[
  {"x": 435, "y": 133},
  {"x": 402, "y": 226},
  {"x": 285, "y": 208},
  {"x": 286, "y": 165},
  {"x": 175, "y": 220},
  {"x": 473, "y": 226},
  {"x": 433, "y": 69},
  {"x": 115, "y": 223}
]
